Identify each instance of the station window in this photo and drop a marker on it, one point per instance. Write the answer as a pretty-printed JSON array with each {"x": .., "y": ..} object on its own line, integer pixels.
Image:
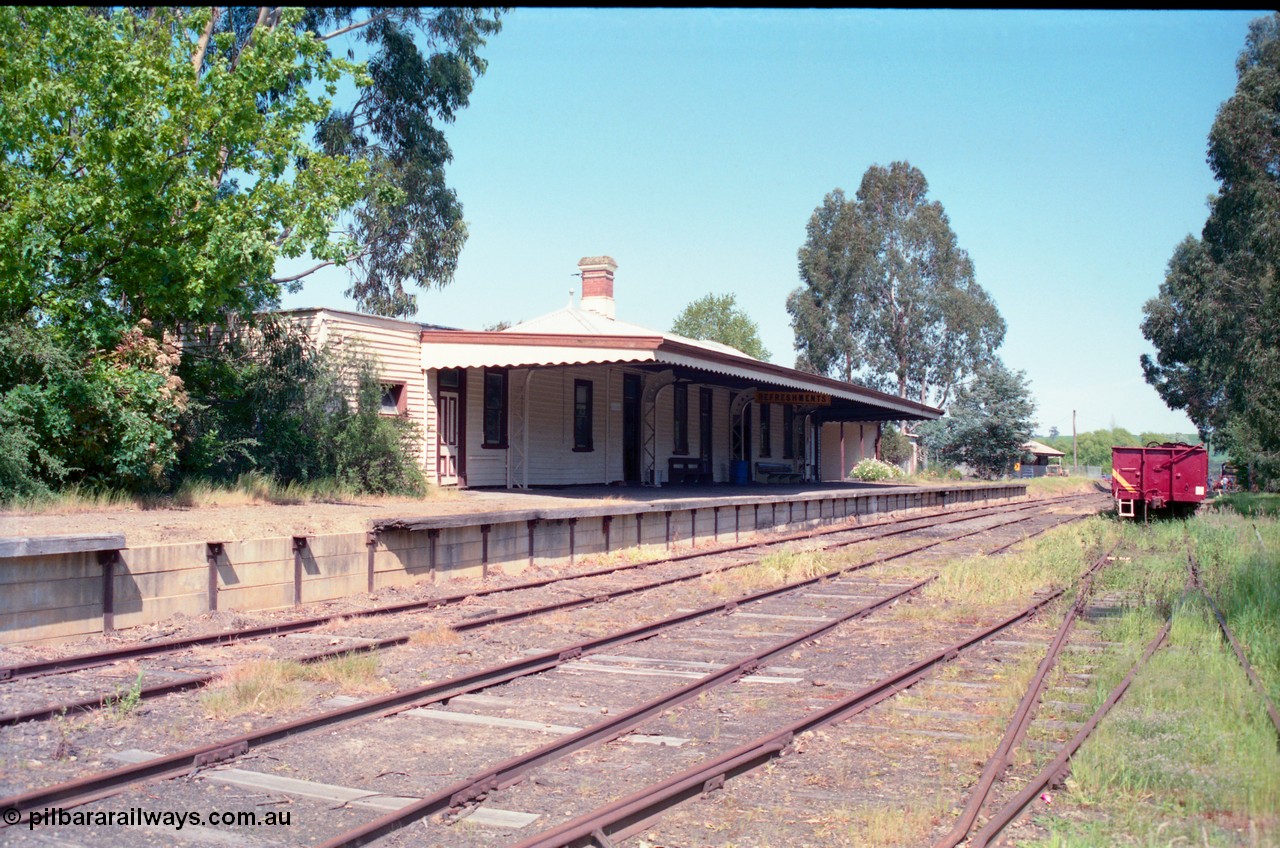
[
  {"x": 495, "y": 408},
  {"x": 450, "y": 378},
  {"x": 681, "y": 429},
  {"x": 766, "y": 440},
  {"x": 583, "y": 415},
  {"x": 393, "y": 399}
]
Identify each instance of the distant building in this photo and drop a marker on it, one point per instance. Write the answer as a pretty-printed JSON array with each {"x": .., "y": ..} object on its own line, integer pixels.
[
  {"x": 577, "y": 396},
  {"x": 1042, "y": 456}
]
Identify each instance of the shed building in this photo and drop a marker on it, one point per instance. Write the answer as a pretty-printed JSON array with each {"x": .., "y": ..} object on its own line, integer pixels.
[{"x": 1042, "y": 454}]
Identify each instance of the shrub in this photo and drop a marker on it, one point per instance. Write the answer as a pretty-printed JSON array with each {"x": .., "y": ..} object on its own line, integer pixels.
[
  {"x": 374, "y": 452},
  {"x": 874, "y": 469},
  {"x": 266, "y": 401},
  {"x": 895, "y": 447},
  {"x": 72, "y": 413}
]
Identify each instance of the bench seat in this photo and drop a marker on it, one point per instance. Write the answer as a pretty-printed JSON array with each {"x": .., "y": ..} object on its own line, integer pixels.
[
  {"x": 777, "y": 472},
  {"x": 688, "y": 469}
]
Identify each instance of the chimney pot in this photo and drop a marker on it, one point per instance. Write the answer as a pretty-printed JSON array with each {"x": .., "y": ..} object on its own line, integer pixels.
[{"x": 597, "y": 284}]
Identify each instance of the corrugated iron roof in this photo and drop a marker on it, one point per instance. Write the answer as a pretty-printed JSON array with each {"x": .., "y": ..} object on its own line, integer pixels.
[
  {"x": 574, "y": 320},
  {"x": 1041, "y": 449},
  {"x": 518, "y": 348}
]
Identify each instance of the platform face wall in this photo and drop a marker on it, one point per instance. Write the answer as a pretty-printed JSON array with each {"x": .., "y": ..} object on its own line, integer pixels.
[{"x": 54, "y": 598}]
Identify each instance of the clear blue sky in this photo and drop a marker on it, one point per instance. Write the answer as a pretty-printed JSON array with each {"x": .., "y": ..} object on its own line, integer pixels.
[{"x": 1068, "y": 149}]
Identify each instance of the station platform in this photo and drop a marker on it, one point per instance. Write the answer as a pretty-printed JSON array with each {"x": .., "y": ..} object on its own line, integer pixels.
[{"x": 60, "y": 586}]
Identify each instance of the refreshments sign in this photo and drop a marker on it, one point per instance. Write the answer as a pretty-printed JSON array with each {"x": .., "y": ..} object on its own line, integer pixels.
[{"x": 798, "y": 398}]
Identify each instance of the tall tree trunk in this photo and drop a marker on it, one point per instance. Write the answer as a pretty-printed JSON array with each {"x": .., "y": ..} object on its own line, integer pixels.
[{"x": 197, "y": 58}]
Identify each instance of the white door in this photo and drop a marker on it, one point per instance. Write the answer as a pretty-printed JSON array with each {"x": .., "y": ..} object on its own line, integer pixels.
[{"x": 447, "y": 430}]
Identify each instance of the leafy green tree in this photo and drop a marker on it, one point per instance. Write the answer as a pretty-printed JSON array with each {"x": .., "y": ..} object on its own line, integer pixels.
[
  {"x": 106, "y": 420},
  {"x": 262, "y": 401},
  {"x": 988, "y": 423},
  {"x": 375, "y": 452},
  {"x": 889, "y": 298},
  {"x": 1094, "y": 446},
  {"x": 136, "y": 187},
  {"x": 153, "y": 172},
  {"x": 157, "y": 192},
  {"x": 1215, "y": 323},
  {"x": 33, "y": 415},
  {"x": 717, "y": 317}
]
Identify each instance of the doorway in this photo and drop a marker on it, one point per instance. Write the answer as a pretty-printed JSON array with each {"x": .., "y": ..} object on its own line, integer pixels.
[
  {"x": 631, "y": 392},
  {"x": 450, "y": 429},
  {"x": 705, "y": 430}
]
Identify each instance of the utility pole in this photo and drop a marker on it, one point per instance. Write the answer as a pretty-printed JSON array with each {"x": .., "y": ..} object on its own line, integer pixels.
[{"x": 1074, "y": 461}]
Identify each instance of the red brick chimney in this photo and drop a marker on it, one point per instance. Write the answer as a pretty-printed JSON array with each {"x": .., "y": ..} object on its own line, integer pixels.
[{"x": 597, "y": 284}]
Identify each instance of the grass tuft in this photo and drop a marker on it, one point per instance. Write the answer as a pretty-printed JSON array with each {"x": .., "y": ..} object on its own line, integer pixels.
[
  {"x": 774, "y": 569},
  {"x": 272, "y": 686},
  {"x": 441, "y": 634},
  {"x": 1055, "y": 561}
]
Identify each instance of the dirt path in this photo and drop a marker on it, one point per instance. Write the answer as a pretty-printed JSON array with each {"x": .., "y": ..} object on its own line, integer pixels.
[{"x": 260, "y": 520}]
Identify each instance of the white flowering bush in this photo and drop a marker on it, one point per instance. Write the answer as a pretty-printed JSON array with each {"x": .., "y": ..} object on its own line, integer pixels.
[{"x": 874, "y": 469}]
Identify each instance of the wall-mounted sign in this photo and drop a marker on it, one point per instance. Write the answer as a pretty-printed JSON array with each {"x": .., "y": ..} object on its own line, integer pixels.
[{"x": 797, "y": 398}]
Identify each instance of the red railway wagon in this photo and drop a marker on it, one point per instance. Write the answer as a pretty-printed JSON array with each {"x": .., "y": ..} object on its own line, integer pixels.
[{"x": 1171, "y": 478}]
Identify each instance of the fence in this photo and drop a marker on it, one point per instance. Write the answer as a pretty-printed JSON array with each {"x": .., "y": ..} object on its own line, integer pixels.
[{"x": 1092, "y": 472}]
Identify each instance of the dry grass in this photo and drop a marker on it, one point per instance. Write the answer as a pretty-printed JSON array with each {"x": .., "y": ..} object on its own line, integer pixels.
[
  {"x": 624, "y": 556},
  {"x": 350, "y": 673},
  {"x": 1056, "y": 560},
  {"x": 273, "y": 686},
  {"x": 251, "y": 489},
  {"x": 1053, "y": 487},
  {"x": 882, "y": 826},
  {"x": 334, "y": 626},
  {"x": 262, "y": 686},
  {"x": 775, "y": 569},
  {"x": 431, "y": 637}
]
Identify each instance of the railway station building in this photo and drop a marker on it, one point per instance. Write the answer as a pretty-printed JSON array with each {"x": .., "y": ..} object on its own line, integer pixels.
[{"x": 578, "y": 396}]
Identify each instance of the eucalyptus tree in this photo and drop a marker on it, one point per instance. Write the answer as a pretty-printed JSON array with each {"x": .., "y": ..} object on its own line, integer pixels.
[
  {"x": 889, "y": 299},
  {"x": 1215, "y": 322},
  {"x": 422, "y": 65}
]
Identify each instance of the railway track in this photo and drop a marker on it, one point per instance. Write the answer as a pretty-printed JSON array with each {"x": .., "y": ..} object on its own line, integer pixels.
[
  {"x": 633, "y": 671},
  {"x": 139, "y": 668},
  {"x": 1031, "y": 791}
]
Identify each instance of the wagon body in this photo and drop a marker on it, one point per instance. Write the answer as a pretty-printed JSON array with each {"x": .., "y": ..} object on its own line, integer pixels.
[{"x": 1172, "y": 477}]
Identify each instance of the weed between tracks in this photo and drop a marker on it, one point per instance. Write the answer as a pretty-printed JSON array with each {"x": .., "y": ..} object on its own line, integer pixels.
[
  {"x": 872, "y": 826},
  {"x": 1188, "y": 756},
  {"x": 1056, "y": 560},
  {"x": 440, "y": 634},
  {"x": 625, "y": 556},
  {"x": 269, "y": 686},
  {"x": 773, "y": 569}
]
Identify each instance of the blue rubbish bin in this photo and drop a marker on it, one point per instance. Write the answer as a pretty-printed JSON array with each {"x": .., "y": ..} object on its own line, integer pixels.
[{"x": 739, "y": 472}]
